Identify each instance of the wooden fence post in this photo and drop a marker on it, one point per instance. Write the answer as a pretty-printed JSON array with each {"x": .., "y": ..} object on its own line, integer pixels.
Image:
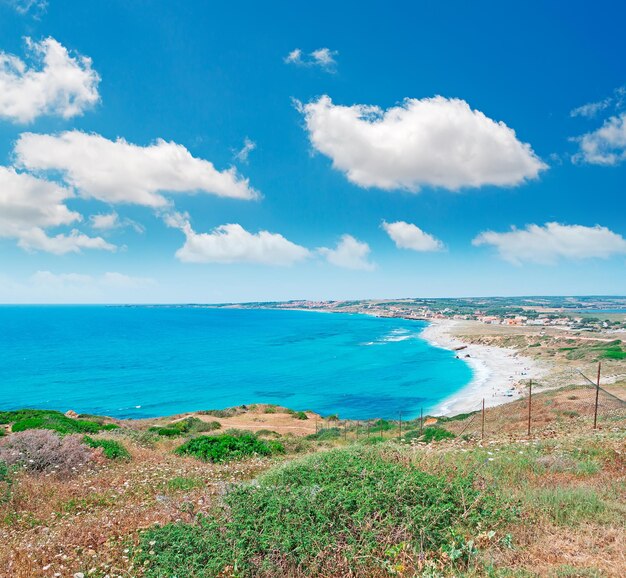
[
  {"x": 595, "y": 411},
  {"x": 482, "y": 431},
  {"x": 530, "y": 402}
]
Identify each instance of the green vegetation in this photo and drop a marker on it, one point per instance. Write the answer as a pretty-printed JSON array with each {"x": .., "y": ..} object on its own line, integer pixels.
[
  {"x": 349, "y": 511},
  {"x": 570, "y": 506},
  {"x": 221, "y": 413},
  {"x": 6, "y": 482},
  {"x": 325, "y": 434},
  {"x": 27, "y": 419},
  {"x": 187, "y": 426},
  {"x": 111, "y": 449},
  {"x": 227, "y": 447},
  {"x": 436, "y": 434}
]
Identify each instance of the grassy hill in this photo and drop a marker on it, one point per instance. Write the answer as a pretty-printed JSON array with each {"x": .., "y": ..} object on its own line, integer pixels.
[{"x": 350, "y": 500}]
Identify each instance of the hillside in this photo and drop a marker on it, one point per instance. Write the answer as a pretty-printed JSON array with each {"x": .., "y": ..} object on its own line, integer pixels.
[{"x": 187, "y": 496}]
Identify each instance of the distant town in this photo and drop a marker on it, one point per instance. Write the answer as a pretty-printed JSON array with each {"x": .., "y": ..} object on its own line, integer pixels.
[{"x": 599, "y": 314}]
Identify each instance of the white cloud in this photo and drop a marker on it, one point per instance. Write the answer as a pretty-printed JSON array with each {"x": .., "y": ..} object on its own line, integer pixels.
[
  {"x": 109, "y": 279},
  {"x": 231, "y": 243},
  {"x": 56, "y": 84},
  {"x": 29, "y": 206},
  {"x": 606, "y": 145},
  {"x": 349, "y": 254},
  {"x": 546, "y": 244},
  {"x": 436, "y": 141},
  {"x": 105, "y": 222},
  {"x": 591, "y": 109},
  {"x": 49, "y": 287},
  {"x": 37, "y": 240},
  {"x": 248, "y": 147},
  {"x": 110, "y": 221},
  {"x": 121, "y": 172},
  {"x": 322, "y": 57},
  {"x": 408, "y": 236},
  {"x": 66, "y": 285},
  {"x": 26, "y": 6}
]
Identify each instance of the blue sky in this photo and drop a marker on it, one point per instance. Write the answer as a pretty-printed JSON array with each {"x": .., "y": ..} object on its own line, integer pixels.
[{"x": 179, "y": 220}]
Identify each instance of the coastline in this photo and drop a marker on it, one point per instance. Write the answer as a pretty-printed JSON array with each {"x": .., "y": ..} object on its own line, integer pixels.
[{"x": 497, "y": 371}]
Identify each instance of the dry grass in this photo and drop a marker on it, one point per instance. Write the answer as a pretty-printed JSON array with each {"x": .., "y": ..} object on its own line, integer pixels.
[
  {"x": 56, "y": 527},
  {"x": 52, "y": 526}
]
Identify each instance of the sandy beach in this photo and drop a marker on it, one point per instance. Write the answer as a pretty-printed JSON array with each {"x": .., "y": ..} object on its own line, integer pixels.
[{"x": 497, "y": 371}]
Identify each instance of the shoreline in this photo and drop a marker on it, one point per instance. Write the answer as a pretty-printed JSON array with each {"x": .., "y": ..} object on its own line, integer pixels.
[{"x": 497, "y": 371}]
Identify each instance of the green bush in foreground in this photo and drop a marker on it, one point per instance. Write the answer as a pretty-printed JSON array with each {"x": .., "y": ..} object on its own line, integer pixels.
[
  {"x": 227, "y": 447},
  {"x": 112, "y": 450},
  {"x": 341, "y": 512}
]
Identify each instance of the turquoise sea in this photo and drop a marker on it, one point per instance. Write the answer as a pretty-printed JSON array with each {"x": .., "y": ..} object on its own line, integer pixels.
[{"x": 152, "y": 361}]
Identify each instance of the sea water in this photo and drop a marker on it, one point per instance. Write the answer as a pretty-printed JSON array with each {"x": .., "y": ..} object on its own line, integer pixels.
[{"x": 152, "y": 361}]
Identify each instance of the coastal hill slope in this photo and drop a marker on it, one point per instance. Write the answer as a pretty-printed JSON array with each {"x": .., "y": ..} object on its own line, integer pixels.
[{"x": 186, "y": 496}]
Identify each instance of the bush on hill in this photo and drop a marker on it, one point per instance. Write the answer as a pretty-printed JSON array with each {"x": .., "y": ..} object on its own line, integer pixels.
[
  {"x": 341, "y": 512},
  {"x": 228, "y": 447},
  {"x": 111, "y": 449},
  {"x": 27, "y": 419},
  {"x": 45, "y": 451},
  {"x": 325, "y": 434},
  {"x": 187, "y": 426}
]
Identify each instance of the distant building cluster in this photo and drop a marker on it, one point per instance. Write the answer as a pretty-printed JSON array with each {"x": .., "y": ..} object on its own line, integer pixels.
[{"x": 549, "y": 312}]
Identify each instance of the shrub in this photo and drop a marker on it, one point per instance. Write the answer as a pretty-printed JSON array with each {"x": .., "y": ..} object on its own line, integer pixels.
[
  {"x": 166, "y": 431},
  {"x": 111, "y": 449},
  {"x": 225, "y": 447},
  {"x": 381, "y": 425},
  {"x": 45, "y": 451},
  {"x": 26, "y": 419},
  {"x": 334, "y": 513},
  {"x": 325, "y": 434},
  {"x": 189, "y": 425},
  {"x": 300, "y": 415},
  {"x": 230, "y": 412},
  {"x": 268, "y": 433},
  {"x": 6, "y": 482},
  {"x": 436, "y": 434}
]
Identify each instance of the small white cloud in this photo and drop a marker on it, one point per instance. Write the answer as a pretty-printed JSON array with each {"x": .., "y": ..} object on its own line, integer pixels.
[
  {"x": 105, "y": 222},
  {"x": 437, "y": 142},
  {"x": 29, "y": 206},
  {"x": 408, "y": 236},
  {"x": 294, "y": 57},
  {"x": 121, "y": 172},
  {"x": 35, "y": 7},
  {"x": 323, "y": 58},
  {"x": 38, "y": 240},
  {"x": 57, "y": 84},
  {"x": 231, "y": 243},
  {"x": 111, "y": 221},
  {"x": 546, "y": 244},
  {"x": 349, "y": 254},
  {"x": 248, "y": 147},
  {"x": 605, "y": 145},
  {"x": 591, "y": 109},
  {"x": 73, "y": 281}
]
